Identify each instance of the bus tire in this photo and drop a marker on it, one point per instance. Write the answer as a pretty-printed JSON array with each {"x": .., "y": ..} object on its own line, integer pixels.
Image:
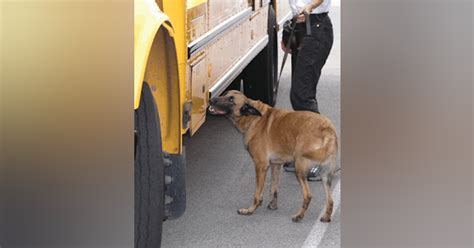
[
  {"x": 149, "y": 173},
  {"x": 260, "y": 76}
]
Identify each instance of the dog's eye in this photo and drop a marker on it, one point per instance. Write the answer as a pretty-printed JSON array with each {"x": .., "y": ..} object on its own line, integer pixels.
[{"x": 231, "y": 99}]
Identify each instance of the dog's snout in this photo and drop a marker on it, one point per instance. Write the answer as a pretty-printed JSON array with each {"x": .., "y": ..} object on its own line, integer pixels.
[{"x": 212, "y": 101}]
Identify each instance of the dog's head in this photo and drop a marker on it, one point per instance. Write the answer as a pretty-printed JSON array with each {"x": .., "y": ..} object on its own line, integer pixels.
[{"x": 233, "y": 104}]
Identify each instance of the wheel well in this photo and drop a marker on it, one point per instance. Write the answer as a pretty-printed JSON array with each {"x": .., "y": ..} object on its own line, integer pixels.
[{"x": 162, "y": 75}]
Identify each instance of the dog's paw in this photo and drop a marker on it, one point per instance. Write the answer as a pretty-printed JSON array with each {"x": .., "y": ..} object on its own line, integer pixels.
[
  {"x": 244, "y": 211},
  {"x": 297, "y": 218},
  {"x": 325, "y": 219},
  {"x": 272, "y": 206}
]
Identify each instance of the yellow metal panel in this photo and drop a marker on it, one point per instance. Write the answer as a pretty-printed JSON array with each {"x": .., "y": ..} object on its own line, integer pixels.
[
  {"x": 156, "y": 62},
  {"x": 176, "y": 10},
  {"x": 148, "y": 19},
  {"x": 162, "y": 75}
]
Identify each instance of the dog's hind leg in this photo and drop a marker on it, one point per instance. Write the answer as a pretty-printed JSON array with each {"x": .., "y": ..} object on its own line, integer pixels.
[
  {"x": 274, "y": 188},
  {"x": 301, "y": 170},
  {"x": 327, "y": 177},
  {"x": 261, "y": 172}
]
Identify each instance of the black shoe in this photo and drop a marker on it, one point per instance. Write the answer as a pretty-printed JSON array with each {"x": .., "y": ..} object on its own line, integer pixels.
[
  {"x": 289, "y": 167},
  {"x": 313, "y": 174}
]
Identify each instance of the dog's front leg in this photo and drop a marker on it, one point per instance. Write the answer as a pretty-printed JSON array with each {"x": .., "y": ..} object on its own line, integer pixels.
[
  {"x": 274, "y": 187},
  {"x": 261, "y": 172}
]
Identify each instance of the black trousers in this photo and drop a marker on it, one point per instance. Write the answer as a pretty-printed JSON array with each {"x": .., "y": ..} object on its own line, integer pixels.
[{"x": 307, "y": 62}]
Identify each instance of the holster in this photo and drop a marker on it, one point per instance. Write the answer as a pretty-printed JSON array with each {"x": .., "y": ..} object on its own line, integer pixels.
[{"x": 297, "y": 40}]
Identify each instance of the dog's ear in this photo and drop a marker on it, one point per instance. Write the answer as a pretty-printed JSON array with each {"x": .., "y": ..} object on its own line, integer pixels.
[{"x": 248, "y": 109}]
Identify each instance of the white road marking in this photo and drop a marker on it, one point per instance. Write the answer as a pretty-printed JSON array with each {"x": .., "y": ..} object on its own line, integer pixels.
[{"x": 319, "y": 229}]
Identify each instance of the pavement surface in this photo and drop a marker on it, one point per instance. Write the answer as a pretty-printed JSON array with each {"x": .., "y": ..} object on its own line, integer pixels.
[{"x": 220, "y": 179}]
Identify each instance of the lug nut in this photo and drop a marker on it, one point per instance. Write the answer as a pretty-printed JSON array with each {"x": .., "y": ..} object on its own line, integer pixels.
[
  {"x": 168, "y": 199},
  {"x": 168, "y": 180}
]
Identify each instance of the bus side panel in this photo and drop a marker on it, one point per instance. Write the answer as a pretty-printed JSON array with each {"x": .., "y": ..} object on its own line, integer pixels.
[
  {"x": 197, "y": 21},
  {"x": 219, "y": 56},
  {"x": 231, "y": 47},
  {"x": 220, "y": 11},
  {"x": 226, "y": 50},
  {"x": 198, "y": 76}
]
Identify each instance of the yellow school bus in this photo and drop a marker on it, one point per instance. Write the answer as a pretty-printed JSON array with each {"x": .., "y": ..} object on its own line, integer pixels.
[{"x": 187, "y": 51}]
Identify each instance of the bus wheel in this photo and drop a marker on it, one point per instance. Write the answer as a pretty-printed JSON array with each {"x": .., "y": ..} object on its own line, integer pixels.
[
  {"x": 149, "y": 173},
  {"x": 260, "y": 76}
]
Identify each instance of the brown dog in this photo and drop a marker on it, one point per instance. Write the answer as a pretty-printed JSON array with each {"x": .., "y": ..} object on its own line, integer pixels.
[{"x": 274, "y": 137}]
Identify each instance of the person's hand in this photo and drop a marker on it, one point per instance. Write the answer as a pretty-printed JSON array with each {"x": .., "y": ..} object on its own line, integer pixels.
[
  {"x": 307, "y": 10},
  {"x": 300, "y": 18},
  {"x": 284, "y": 48}
]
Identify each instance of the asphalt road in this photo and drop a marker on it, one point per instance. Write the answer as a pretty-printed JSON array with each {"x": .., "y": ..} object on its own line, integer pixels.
[{"x": 221, "y": 179}]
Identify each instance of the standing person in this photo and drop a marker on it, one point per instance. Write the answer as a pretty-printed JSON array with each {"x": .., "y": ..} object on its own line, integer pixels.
[{"x": 309, "y": 57}]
